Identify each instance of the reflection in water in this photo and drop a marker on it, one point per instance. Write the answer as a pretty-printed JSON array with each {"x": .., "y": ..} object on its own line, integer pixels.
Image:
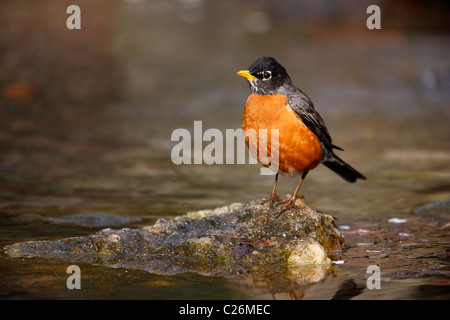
[
  {"x": 348, "y": 290},
  {"x": 291, "y": 285}
]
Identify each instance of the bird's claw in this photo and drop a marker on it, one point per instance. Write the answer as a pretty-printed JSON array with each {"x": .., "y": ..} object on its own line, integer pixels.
[{"x": 289, "y": 202}]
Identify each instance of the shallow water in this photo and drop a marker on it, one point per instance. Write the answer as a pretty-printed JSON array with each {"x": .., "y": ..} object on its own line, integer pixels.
[{"x": 87, "y": 118}]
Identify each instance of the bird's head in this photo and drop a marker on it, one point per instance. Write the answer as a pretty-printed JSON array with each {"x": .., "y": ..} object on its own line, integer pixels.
[{"x": 266, "y": 76}]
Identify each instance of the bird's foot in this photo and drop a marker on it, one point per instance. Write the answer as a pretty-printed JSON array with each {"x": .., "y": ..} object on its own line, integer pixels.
[
  {"x": 300, "y": 196},
  {"x": 289, "y": 202},
  {"x": 273, "y": 200}
]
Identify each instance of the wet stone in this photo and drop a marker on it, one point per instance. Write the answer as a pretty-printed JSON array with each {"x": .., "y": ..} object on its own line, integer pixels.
[
  {"x": 439, "y": 212},
  {"x": 93, "y": 219},
  {"x": 441, "y": 208},
  {"x": 244, "y": 237}
]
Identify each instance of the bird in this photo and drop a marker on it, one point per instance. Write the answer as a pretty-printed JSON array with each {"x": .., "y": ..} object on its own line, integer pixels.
[{"x": 303, "y": 139}]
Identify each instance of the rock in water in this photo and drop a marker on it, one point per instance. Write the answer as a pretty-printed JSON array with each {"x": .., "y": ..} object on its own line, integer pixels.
[
  {"x": 251, "y": 237},
  {"x": 93, "y": 219}
]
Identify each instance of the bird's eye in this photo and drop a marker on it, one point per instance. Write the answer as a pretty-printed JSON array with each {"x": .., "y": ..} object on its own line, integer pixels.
[{"x": 266, "y": 75}]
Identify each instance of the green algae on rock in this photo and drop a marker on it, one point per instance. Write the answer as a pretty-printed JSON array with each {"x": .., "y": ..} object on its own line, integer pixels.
[{"x": 229, "y": 241}]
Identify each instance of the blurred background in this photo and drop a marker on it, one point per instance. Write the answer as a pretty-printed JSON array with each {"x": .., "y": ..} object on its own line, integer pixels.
[{"x": 86, "y": 116}]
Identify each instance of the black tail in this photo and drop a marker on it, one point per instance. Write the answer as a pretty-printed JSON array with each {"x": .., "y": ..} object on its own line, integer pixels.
[{"x": 338, "y": 165}]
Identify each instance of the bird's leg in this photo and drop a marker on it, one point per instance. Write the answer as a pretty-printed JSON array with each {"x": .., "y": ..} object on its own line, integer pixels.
[
  {"x": 292, "y": 199},
  {"x": 274, "y": 197}
]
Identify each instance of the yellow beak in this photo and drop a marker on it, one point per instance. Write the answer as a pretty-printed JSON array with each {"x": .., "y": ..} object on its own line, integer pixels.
[{"x": 246, "y": 74}]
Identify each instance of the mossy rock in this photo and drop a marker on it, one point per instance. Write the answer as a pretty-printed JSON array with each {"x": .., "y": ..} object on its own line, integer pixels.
[{"x": 244, "y": 237}]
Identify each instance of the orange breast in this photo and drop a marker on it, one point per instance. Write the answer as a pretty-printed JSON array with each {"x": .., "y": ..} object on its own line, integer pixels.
[{"x": 298, "y": 147}]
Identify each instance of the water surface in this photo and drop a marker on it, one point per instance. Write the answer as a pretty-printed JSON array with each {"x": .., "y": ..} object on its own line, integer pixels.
[{"x": 87, "y": 116}]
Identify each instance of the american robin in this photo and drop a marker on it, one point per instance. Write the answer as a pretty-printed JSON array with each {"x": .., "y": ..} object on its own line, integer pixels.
[{"x": 303, "y": 139}]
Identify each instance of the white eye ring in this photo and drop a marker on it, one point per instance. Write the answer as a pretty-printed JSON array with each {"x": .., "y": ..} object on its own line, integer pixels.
[{"x": 266, "y": 75}]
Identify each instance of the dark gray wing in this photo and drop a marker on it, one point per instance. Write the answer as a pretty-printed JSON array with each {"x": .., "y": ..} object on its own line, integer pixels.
[{"x": 304, "y": 108}]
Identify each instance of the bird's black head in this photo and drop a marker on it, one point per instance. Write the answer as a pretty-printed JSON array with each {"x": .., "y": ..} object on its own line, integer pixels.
[{"x": 266, "y": 76}]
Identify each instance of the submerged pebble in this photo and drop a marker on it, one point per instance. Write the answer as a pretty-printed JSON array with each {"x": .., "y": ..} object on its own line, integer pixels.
[
  {"x": 94, "y": 219},
  {"x": 397, "y": 220}
]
